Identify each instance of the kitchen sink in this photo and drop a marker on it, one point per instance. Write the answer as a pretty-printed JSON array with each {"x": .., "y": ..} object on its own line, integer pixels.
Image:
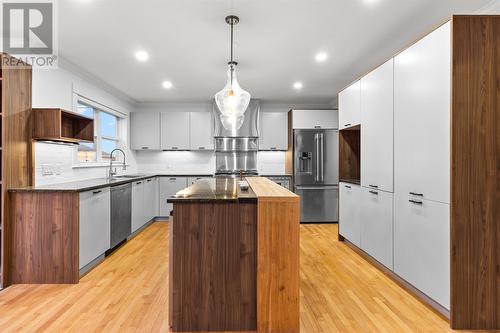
[{"x": 129, "y": 176}]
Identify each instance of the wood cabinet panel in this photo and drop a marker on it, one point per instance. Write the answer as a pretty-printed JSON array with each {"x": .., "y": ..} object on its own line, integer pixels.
[
  {"x": 214, "y": 252},
  {"x": 475, "y": 173}
]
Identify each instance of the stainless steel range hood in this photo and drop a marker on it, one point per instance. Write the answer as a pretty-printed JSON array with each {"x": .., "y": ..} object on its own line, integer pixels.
[{"x": 236, "y": 149}]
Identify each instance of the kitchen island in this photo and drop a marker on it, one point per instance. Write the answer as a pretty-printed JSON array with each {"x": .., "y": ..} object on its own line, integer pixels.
[{"x": 234, "y": 257}]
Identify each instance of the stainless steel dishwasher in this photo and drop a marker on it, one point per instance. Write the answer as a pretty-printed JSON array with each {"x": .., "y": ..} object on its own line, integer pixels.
[{"x": 121, "y": 213}]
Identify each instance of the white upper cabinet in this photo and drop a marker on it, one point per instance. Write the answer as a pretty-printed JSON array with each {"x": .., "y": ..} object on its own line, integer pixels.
[
  {"x": 145, "y": 131},
  {"x": 273, "y": 131},
  {"x": 377, "y": 124},
  {"x": 350, "y": 106},
  {"x": 422, "y": 117},
  {"x": 175, "y": 131},
  {"x": 311, "y": 119},
  {"x": 202, "y": 131}
]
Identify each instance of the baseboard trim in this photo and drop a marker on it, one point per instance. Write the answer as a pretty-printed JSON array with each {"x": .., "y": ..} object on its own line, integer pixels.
[{"x": 423, "y": 298}]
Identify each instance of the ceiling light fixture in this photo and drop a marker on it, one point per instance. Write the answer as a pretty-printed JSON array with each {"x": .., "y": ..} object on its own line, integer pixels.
[
  {"x": 167, "y": 84},
  {"x": 321, "y": 56},
  {"x": 142, "y": 55},
  {"x": 232, "y": 100},
  {"x": 298, "y": 85}
]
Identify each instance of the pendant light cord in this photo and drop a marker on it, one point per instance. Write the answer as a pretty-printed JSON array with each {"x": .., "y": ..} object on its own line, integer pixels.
[{"x": 232, "y": 64}]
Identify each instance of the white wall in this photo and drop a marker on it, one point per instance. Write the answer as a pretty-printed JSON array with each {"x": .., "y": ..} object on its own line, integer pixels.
[{"x": 55, "y": 88}]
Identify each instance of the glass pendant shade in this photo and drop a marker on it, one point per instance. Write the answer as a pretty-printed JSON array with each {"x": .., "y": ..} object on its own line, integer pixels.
[{"x": 232, "y": 101}]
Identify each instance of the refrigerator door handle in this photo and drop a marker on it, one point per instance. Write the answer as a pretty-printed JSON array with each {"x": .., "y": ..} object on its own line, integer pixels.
[
  {"x": 316, "y": 155},
  {"x": 327, "y": 187},
  {"x": 321, "y": 157}
]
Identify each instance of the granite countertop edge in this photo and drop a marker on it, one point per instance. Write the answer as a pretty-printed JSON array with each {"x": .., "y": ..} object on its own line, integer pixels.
[{"x": 96, "y": 183}]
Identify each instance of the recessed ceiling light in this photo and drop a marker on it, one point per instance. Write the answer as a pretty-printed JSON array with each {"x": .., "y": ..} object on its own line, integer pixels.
[
  {"x": 321, "y": 56},
  {"x": 370, "y": 2},
  {"x": 298, "y": 85},
  {"x": 167, "y": 84},
  {"x": 142, "y": 55}
]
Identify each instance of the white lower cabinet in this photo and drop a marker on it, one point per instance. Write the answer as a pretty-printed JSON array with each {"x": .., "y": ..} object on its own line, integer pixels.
[
  {"x": 192, "y": 180},
  {"x": 95, "y": 224},
  {"x": 138, "y": 216},
  {"x": 349, "y": 212},
  {"x": 168, "y": 187},
  {"x": 422, "y": 245},
  {"x": 376, "y": 225},
  {"x": 150, "y": 199}
]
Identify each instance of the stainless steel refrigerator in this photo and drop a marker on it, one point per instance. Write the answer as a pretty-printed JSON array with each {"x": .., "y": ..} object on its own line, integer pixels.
[{"x": 316, "y": 174}]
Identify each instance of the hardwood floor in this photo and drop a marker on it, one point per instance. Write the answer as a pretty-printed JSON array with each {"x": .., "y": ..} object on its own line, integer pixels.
[{"x": 340, "y": 292}]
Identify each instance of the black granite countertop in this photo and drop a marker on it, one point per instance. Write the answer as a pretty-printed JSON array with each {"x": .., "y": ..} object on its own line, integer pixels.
[
  {"x": 92, "y": 184},
  {"x": 214, "y": 189}
]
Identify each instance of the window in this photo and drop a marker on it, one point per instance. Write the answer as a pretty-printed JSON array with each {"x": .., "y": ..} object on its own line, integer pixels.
[{"x": 106, "y": 131}]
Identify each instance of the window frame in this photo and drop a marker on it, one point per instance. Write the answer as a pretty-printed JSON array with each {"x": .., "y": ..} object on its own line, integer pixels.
[{"x": 120, "y": 138}]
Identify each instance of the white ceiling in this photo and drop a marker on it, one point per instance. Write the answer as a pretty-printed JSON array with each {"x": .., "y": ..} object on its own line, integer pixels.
[{"x": 188, "y": 43}]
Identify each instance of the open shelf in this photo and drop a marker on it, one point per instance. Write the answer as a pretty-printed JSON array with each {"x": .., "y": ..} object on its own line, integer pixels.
[
  {"x": 63, "y": 126},
  {"x": 350, "y": 155}
]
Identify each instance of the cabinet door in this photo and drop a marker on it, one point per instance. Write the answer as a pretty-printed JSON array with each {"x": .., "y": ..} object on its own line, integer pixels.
[
  {"x": 422, "y": 246},
  {"x": 350, "y": 106},
  {"x": 192, "y": 180},
  {"x": 150, "y": 199},
  {"x": 168, "y": 187},
  {"x": 311, "y": 119},
  {"x": 202, "y": 131},
  {"x": 273, "y": 131},
  {"x": 422, "y": 117},
  {"x": 138, "y": 209},
  {"x": 349, "y": 217},
  {"x": 145, "y": 131},
  {"x": 376, "y": 225},
  {"x": 95, "y": 224},
  {"x": 377, "y": 124},
  {"x": 175, "y": 131}
]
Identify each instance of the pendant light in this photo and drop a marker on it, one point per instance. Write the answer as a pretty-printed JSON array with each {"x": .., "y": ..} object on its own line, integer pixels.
[{"x": 232, "y": 101}]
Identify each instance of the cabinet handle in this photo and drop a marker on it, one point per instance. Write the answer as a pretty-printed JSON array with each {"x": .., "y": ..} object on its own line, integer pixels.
[
  {"x": 416, "y": 202},
  {"x": 373, "y": 192},
  {"x": 145, "y": 147},
  {"x": 96, "y": 192},
  {"x": 138, "y": 183},
  {"x": 347, "y": 186},
  {"x": 417, "y": 194},
  {"x": 149, "y": 180},
  {"x": 374, "y": 186},
  {"x": 347, "y": 125},
  {"x": 175, "y": 148},
  {"x": 172, "y": 179},
  {"x": 201, "y": 148},
  {"x": 273, "y": 148},
  {"x": 317, "y": 126}
]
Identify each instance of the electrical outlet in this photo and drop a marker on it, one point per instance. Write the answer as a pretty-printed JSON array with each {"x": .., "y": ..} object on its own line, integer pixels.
[{"x": 47, "y": 170}]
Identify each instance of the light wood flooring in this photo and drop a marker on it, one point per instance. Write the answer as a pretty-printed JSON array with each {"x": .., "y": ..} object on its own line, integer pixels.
[{"x": 340, "y": 292}]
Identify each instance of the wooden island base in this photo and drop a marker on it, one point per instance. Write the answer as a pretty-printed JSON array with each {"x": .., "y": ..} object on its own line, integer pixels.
[{"x": 234, "y": 258}]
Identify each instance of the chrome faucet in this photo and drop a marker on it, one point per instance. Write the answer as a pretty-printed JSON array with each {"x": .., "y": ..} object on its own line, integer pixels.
[{"x": 112, "y": 172}]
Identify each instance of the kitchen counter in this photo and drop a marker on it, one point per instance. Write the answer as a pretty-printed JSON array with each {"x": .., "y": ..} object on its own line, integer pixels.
[
  {"x": 234, "y": 257},
  {"x": 93, "y": 184},
  {"x": 214, "y": 189}
]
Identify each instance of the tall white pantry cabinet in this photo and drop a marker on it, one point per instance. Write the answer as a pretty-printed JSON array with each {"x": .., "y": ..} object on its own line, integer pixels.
[{"x": 416, "y": 170}]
